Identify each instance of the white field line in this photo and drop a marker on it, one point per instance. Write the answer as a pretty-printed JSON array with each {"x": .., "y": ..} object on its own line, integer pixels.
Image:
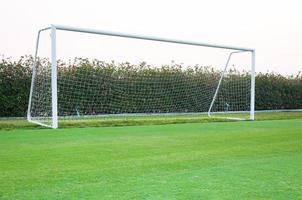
[{"x": 162, "y": 114}]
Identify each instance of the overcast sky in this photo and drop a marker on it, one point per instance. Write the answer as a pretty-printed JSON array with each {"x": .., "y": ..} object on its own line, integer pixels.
[{"x": 273, "y": 28}]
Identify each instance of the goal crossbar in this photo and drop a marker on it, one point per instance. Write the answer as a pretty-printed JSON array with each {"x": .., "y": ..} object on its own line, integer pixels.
[{"x": 144, "y": 37}]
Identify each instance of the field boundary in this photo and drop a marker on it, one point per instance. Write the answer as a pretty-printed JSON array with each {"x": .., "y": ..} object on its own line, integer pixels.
[
  {"x": 164, "y": 114},
  {"x": 22, "y": 123}
]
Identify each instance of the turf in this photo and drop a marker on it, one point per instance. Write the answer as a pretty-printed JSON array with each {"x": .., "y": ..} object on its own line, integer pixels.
[
  {"x": 225, "y": 160},
  {"x": 15, "y": 123}
]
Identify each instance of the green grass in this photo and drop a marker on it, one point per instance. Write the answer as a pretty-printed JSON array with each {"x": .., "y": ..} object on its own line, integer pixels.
[
  {"x": 238, "y": 160},
  {"x": 15, "y": 123}
]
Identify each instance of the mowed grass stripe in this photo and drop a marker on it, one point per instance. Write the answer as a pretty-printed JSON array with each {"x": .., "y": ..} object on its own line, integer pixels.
[
  {"x": 225, "y": 160},
  {"x": 109, "y": 121}
]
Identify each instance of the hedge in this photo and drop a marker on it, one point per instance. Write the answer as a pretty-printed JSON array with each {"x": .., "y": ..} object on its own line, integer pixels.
[{"x": 273, "y": 91}]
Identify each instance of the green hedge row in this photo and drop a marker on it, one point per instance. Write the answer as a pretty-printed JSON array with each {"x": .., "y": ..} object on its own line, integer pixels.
[
  {"x": 15, "y": 79},
  {"x": 273, "y": 91}
]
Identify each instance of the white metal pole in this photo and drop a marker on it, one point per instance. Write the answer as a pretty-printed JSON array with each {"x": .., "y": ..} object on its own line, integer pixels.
[
  {"x": 252, "y": 111},
  {"x": 221, "y": 77},
  {"x": 33, "y": 78},
  {"x": 218, "y": 86},
  {"x": 54, "y": 97},
  {"x": 141, "y": 37}
]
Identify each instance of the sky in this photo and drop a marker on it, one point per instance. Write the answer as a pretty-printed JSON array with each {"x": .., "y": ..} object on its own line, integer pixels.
[{"x": 273, "y": 28}]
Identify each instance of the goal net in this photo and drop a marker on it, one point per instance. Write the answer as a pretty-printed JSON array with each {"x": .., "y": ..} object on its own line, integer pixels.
[{"x": 82, "y": 84}]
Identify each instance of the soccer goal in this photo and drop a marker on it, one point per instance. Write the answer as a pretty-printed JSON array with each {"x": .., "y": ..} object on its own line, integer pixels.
[{"x": 91, "y": 88}]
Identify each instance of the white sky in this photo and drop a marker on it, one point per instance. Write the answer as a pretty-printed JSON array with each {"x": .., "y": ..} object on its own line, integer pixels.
[{"x": 273, "y": 28}]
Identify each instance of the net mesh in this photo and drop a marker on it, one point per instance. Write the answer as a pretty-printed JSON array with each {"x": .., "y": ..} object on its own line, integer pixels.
[
  {"x": 93, "y": 87},
  {"x": 41, "y": 107}
]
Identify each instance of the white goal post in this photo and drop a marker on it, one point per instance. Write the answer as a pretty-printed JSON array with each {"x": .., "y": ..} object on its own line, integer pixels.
[{"x": 51, "y": 84}]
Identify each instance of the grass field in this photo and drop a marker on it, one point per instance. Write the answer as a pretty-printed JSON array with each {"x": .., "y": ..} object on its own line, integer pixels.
[
  {"x": 219, "y": 160},
  {"x": 14, "y": 123}
]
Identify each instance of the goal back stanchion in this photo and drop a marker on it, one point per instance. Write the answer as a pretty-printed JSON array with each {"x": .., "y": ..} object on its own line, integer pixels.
[
  {"x": 252, "y": 92},
  {"x": 30, "y": 117},
  {"x": 44, "y": 107}
]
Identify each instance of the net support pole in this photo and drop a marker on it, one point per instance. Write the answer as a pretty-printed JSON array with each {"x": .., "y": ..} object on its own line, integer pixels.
[
  {"x": 33, "y": 77},
  {"x": 252, "y": 111},
  {"x": 219, "y": 83},
  {"x": 54, "y": 97}
]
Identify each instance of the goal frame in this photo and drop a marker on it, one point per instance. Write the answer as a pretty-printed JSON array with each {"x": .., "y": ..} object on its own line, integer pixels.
[{"x": 54, "y": 99}]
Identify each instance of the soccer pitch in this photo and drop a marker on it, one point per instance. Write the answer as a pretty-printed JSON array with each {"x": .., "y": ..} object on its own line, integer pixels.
[{"x": 217, "y": 160}]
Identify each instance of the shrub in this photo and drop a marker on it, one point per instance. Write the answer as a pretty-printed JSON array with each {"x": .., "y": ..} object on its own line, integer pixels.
[{"x": 273, "y": 91}]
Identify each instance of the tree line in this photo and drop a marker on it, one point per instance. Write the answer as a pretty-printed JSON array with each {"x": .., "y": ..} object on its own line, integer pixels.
[{"x": 143, "y": 88}]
